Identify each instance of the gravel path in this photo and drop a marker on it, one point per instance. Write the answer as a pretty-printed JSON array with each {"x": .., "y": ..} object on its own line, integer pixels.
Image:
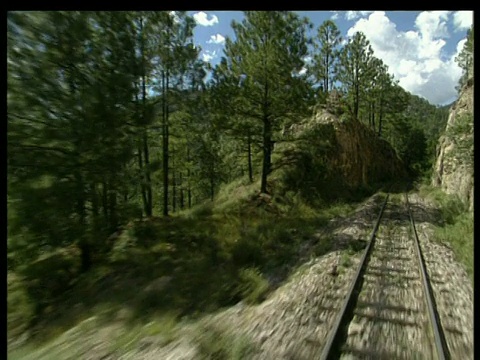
[
  {"x": 451, "y": 285},
  {"x": 391, "y": 319}
]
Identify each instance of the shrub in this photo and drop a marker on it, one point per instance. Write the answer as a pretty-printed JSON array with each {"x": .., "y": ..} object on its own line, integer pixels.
[
  {"x": 459, "y": 235},
  {"x": 20, "y": 309},
  {"x": 253, "y": 286},
  {"x": 219, "y": 345},
  {"x": 247, "y": 251}
]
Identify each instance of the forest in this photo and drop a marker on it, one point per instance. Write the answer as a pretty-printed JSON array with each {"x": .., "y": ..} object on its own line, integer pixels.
[{"x": 116, "y": 126}]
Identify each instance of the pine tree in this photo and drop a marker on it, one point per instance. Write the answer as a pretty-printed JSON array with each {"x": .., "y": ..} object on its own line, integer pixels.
[
  {"x": 326, "y": 55},
  {"x": 260, "y": 73},
  {"x": 465, "y": 59},
  {"x": 354, "y": 70}
]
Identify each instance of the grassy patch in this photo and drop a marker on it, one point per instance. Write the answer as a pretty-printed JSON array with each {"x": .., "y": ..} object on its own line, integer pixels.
[
  {"x": 451, "y": 206},
  {"x": 214, "y": 343},
  {"x": 163, "y": 328},
  {"x": 113, "y": 338},
  {"x": 253, "y": 286},
  {"x": 194, "y": 262},
  {"x": 459, "y": 235},
  {"x": 457, "y": 230},
  {"x": 345, "y": 259}
]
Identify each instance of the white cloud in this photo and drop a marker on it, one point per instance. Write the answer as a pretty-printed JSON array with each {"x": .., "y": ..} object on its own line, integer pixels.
[
  {"x": 201, "y": 18},
  {"x": 416, "y": 58},
  {"x": 460, "y": 45},
  {"x": 216, "y": 39},
  {"x": 209, "y": 55},
  {"x": 462, "y": 20},
  {"x": 352, "y": 15},
  {"x": 432, "y": 24},
  {"x": 335, "y": 15},
  {"x": 302, "y": 71}
]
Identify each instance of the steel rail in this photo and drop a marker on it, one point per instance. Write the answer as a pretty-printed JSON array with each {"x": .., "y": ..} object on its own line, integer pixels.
[
  {"x": 440, "y": 342},
  {"x": 334, "y": 334}
]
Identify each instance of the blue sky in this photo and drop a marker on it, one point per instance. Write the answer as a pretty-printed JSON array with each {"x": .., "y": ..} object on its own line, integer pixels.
[{"x": 418, "y": 46}]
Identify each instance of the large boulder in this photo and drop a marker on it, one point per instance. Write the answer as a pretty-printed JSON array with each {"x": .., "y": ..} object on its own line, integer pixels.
[{"x": 333, "y": 155}]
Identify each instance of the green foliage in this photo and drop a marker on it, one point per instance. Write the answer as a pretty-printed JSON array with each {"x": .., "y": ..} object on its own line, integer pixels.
[
  {"x": 259, "y": 79},
  {"x": 326, "y": 54},
  {"x": 215, "y": 344},
  {"x": 461, "y": 134},
  {"x": 465, "y": 58},
  {"x": 410, "y": 144},
  {"x": 163, "y": 328},
  {"x": 253, "y": 286},
  {"x": 354, "y": 69},
  {"x": 458, "y": 233},
  {"x": 457, "y": 230},
  {"x": 345, "y": 260},
  {"x": 451, "y": 206},
  {"x": 81, "y": 121},
  {"x": 109, "y": 120},
  {"x": 247, "y": 251},
  {"x": 20, "y": 309}
]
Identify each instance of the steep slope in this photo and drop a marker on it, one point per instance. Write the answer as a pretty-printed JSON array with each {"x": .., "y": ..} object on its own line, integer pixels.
[{"x": 453, "y": 171}]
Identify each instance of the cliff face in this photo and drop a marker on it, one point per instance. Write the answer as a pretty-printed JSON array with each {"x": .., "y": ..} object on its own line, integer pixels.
[
  {"x": 340, "y": 156},
  {"x": 453, "y": 171}
]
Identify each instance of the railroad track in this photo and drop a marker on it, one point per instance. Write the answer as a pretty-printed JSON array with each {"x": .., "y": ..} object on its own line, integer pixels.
[{"x": 389, "y": 311}]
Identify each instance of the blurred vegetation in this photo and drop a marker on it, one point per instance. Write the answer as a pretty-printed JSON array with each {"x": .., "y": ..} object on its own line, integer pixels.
[
  {"x": 198, "y": 261},
  {"x": 457, "y": 229},
  {"x": 111, "y": 126}
]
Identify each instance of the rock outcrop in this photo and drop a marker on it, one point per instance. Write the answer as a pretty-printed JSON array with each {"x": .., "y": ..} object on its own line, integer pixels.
[
  {"x": 340, "y": 155},
  {"x": 453, "y": 171}
]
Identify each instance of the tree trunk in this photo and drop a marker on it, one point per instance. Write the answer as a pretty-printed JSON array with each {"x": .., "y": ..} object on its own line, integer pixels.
[
  {"x": 165, "y": 142},
  {"x": 182, "y": 201},
  {"x": 142, "y": 185},
  {"x": 113, "y": 221},
  {"x": 267, "y": 153},
  {"x": 85, "y": 257},
  {"x": 267, "y": 136},
  {"x": 189, "y": 196},
  {"x": 326, "y": 72},
  {"x": 212, "y": 185},
  {"x": 356, "y": 94},
  {"x": 105, "y": 200},
  {"x": 189, "y": 189},
  {"x": 84, "y": 244},
  {"x": 249, "y": 146},
  {"x": 174, "y": 192},
  {"x": 370, "y": 115},
  {"x": 373, "y": 117},
  {"x": 94, "y": 201},
  {"x": 148, "y": 185},
  {"x": 380, "y": 119},
  {"x": 355, "y": 103}
]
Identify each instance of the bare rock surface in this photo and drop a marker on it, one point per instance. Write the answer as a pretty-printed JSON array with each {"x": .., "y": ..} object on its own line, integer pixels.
[{"x": 450, "y": 174}]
